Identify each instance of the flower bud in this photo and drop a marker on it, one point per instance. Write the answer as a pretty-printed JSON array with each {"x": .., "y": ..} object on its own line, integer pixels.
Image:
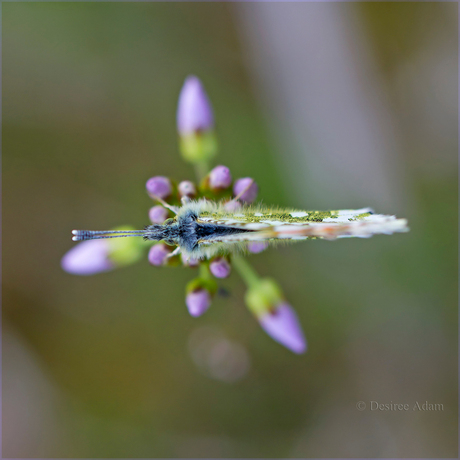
[
  {"x": 158, "y": 214},
  {"x": 277, "y": 318},
  {"x": 195, "y": 123},
  {"x": 282, "y": 325},
  {"x": 187, "y": 188},
  {"x": 96, "y": 256},
  {"x": 159, "y": 186},
  {"x": 125, "y": 251},
  {"x": 220, "y": 178},
  {"x": 247, "y": 188},
  {"x": 220, "y": 267},
  {"x": 263, "y": 296},
  {"x": 257, "y": 246},
  {"x": 158, "y": 254},
  {"x": 198, "y": 301},
  {"x": 199, "y": 292},
  {"x": 194, "y": 111},
  {"x": 88, "y": 258}
]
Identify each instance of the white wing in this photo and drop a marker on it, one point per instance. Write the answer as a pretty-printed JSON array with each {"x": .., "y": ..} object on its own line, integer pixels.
[{"x": 300, "y": 225}]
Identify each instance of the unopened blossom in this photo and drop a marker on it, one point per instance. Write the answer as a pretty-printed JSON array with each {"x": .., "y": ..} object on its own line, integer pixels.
[
  {"x": 248, "y": 189},
  {"x": 220, "y": 178},
  {"x": 198, "y": 301},
  {"x": 187, "y": 188},
  {"x": 159, "y": 186},
  {"x": 195, "y": 124},
  {"x": 194, "y": 111},
  {"x": 257, "y": 246},
  {"x": 278, "y": 319},
  {"x": 158, "y": 214},
  {"x": 88, "y": 258},
  {"x": 220, "y": 267},
  {"x": 158, "y": 254},
  {"x": 282, "y": 325}
]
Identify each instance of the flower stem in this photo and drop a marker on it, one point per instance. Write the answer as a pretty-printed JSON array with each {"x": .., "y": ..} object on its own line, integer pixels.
[
  {"x": 249, "y": 275},
  {"x": 201, "y": 169},
  {"x": 204, "y": 271}
]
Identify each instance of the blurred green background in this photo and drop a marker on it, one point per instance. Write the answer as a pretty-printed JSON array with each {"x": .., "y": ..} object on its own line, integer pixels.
[{"x": 112, "y": 365}]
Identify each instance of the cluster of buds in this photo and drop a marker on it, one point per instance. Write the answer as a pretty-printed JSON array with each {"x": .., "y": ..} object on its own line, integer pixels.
[
  {"x": 218, "y": 184},
  {"x": 197, "y": 142}
]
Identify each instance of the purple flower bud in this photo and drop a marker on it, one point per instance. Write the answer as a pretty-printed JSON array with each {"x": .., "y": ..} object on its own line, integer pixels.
[
  {"x": 232, "y": 206},
  {"x": 220, "y": 267},
  {"x": 198, "y": 302},
  {"x": 158, "y": 254},
  {"x": 159, "y": 186},
  {"x": 257, "y": 246},
  {"x": 220, "y": 178},
  {"x": 248, "y": 189},
  {"x": 189, "y": 262},
  {"x": 187, "y": 188},
  {"x": 194, "y": 111},
  {"x": 283, "y": 326},
  {"x": 88, "y": 258},
  {"x": 158, "y": 214}
]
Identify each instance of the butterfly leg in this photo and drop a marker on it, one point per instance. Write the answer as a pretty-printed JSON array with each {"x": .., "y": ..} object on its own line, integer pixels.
[
  {"x": 176, "y": 252},
  {"x": 185, "y": 200},
  {"x": 174, "y": 209}
]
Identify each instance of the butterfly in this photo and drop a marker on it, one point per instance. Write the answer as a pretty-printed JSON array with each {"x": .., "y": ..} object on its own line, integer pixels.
[{"x": 202, "y": 229}]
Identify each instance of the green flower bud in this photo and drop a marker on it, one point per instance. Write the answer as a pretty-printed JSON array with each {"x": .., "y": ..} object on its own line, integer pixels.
[
  {"x": 195, "y": 123},
  {"x": 263, "y": 296},
  {"x": 201, "y": 283},
  {"x": 198, "y": 147},
  {"x": 126, "y": 251}
]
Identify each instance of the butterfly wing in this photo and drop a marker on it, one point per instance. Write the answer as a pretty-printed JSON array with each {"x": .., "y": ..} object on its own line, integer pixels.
[{"x": 299, "y": 225}]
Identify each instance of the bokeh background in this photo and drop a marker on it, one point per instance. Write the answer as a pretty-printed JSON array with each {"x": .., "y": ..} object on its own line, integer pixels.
[{"x": 327, "y": 105}]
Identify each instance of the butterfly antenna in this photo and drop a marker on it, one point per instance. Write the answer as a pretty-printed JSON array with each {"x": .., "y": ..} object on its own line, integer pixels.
[{"x": 85, "y": 235}]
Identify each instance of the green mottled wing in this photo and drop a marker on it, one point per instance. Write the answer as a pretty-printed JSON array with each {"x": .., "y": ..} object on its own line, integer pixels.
[{"x": 298, "y": 225}]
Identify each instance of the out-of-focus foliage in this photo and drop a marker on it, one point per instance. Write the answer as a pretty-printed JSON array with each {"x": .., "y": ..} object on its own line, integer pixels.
[{"x": 112, "y": 365}]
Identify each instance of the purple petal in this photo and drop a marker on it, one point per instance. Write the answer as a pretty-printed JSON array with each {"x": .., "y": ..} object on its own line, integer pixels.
[
  {"x": 158, "y": 254},
  {"x": 158, "y": 214},
  {"x": 198, "y": 302},
  {"x": 257, "y": 246},
  {"x": 220, "y": 178},
  {"x": 88, "y": 258},
  {"x": 220, "y": 267},
  {"x": 283, "y": 326},
  {"x": 187, "y": 188},
  {"x": 160, "y": 186},
  {"x": 249, "y": 187},
  {"x": 194, "y": 111}
]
